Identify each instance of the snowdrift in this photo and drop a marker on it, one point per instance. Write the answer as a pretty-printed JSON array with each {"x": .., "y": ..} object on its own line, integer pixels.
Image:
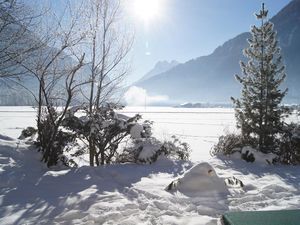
[{"x": 201, "y": 180}]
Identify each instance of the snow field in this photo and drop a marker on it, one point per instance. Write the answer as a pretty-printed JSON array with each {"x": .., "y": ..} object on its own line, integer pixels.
[
  {"x": 129, "y": 194},
  {"x": 14, "y": 119},
  {"x": 200, "y": 128}
]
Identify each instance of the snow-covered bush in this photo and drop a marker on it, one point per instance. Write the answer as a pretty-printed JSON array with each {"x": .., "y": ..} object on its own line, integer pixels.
[
  {"x": 247, "y": 154},
  {"x": 103, "y": 134},
  {"x": 235, "y": 145},
  {"x": 28, "y": 132},
  {"x": 286, "y": 152},
  {"x": 250, "y": 154},
  {"x": 149, "y": 149},
  {"x": 51, "y": 139},
  {"x": 74, "y": 153},
  {"x": 290, "y": 144},
  {"x": 174, "y": 148},
  {"x": 104, "y": 129},
  {"x": 141, "y": 150},
  {"x": 227, "y": 144}
]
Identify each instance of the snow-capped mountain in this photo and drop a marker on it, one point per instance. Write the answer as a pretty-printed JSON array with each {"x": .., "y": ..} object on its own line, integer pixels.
[
  {"x": 211, "y": 78},
  {"x": 160, "y": 67}
]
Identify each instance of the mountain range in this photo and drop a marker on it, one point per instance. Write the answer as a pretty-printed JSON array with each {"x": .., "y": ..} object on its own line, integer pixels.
[
  {"x": 211, "y": 78},
  {"x": 160, "y": 67}
]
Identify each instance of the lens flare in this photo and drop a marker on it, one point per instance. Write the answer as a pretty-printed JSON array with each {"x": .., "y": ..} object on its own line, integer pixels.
[{"x": 147, "y": 9}]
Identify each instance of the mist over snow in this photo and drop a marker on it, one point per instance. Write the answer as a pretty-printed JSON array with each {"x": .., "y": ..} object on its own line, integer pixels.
[{"x": 137, "y": 96}]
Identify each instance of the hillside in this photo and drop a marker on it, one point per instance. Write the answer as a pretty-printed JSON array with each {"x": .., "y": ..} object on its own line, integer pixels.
[
  {"x": 211, "y": 78},
  {"x": 159, "y": 67}
]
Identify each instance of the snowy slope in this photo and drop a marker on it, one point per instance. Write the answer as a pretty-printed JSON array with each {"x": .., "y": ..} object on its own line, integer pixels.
[
  {"x": 134, "y": 194},
  {"x": 196, "y": 80},
  {"x": 159, "y": 67}
]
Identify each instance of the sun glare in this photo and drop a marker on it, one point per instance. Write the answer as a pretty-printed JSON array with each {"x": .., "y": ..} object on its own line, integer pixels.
[{"x": 147, "y": 9}]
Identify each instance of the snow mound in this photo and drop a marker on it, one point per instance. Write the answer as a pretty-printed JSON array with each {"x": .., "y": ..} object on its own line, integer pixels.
[
  {"x": 255, "y": 156},
  {"x": 250, "y": 154},
  {"x": 200, "y": 180}
]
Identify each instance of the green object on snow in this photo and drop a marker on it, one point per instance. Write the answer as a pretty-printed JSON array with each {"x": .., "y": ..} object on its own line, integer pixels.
[{"x": 280, "y": 217}]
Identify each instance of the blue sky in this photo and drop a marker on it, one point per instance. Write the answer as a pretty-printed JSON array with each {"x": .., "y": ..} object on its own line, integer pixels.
[
  {"x": 193, "y": 28},
  {"x": 186, "y": 29}
]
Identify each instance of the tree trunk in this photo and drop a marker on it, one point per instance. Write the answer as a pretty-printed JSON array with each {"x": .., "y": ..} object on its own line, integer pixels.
[
  {"x": 102, "y": 157},
  {"x": 92, "y": 151}
]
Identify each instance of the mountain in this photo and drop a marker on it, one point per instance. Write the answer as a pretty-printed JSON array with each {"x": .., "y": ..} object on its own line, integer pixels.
[
  {"x": 160, "y": 67},
  {"x": 19, "y": 89},
  {"x": 211, "y": 78}
]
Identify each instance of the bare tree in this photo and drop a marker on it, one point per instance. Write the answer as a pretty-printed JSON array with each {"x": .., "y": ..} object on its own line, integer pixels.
[
  {"x": 17, "y": 43},
  {"x": 108, "y": 46},
  {"x": 55, "y": 67},
  {"x": 16, "y": 40},
  {"x": 93, "y": 42}
]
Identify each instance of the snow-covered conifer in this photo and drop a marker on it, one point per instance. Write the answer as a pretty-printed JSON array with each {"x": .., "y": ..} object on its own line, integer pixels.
[{"x": 259, "y": 112}]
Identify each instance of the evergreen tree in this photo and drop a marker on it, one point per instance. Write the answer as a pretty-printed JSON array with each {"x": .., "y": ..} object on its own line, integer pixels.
[{"x": 258, "y": 111}]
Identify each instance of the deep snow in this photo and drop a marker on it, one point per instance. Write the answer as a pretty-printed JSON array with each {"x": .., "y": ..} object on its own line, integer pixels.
[{"x": 135, "y": 194}]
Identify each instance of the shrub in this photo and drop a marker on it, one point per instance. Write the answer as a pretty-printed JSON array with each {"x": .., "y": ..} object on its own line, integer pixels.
[
  {"x": 290, "y": 144},
  {"x": 287, "y": 152},
  {"x": 227, "y": 144},
  {"x": 104, "y": 129},
  {"x": 148, "y": 150},
  {"x": 28, "y": 132},
  {"x": 52, "y": 141},
  {"x": 174, "y": 148},
  {"x": 248, "y": 156}
]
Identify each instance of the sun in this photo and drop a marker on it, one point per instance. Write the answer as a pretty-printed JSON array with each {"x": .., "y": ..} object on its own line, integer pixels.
[{"x": 147, "y": 10}]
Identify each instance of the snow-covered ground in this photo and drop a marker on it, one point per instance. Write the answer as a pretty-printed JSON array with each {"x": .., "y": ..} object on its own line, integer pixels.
[
  {"x": 199, "y": 127},
  {"x": 135, "y": 194}
]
